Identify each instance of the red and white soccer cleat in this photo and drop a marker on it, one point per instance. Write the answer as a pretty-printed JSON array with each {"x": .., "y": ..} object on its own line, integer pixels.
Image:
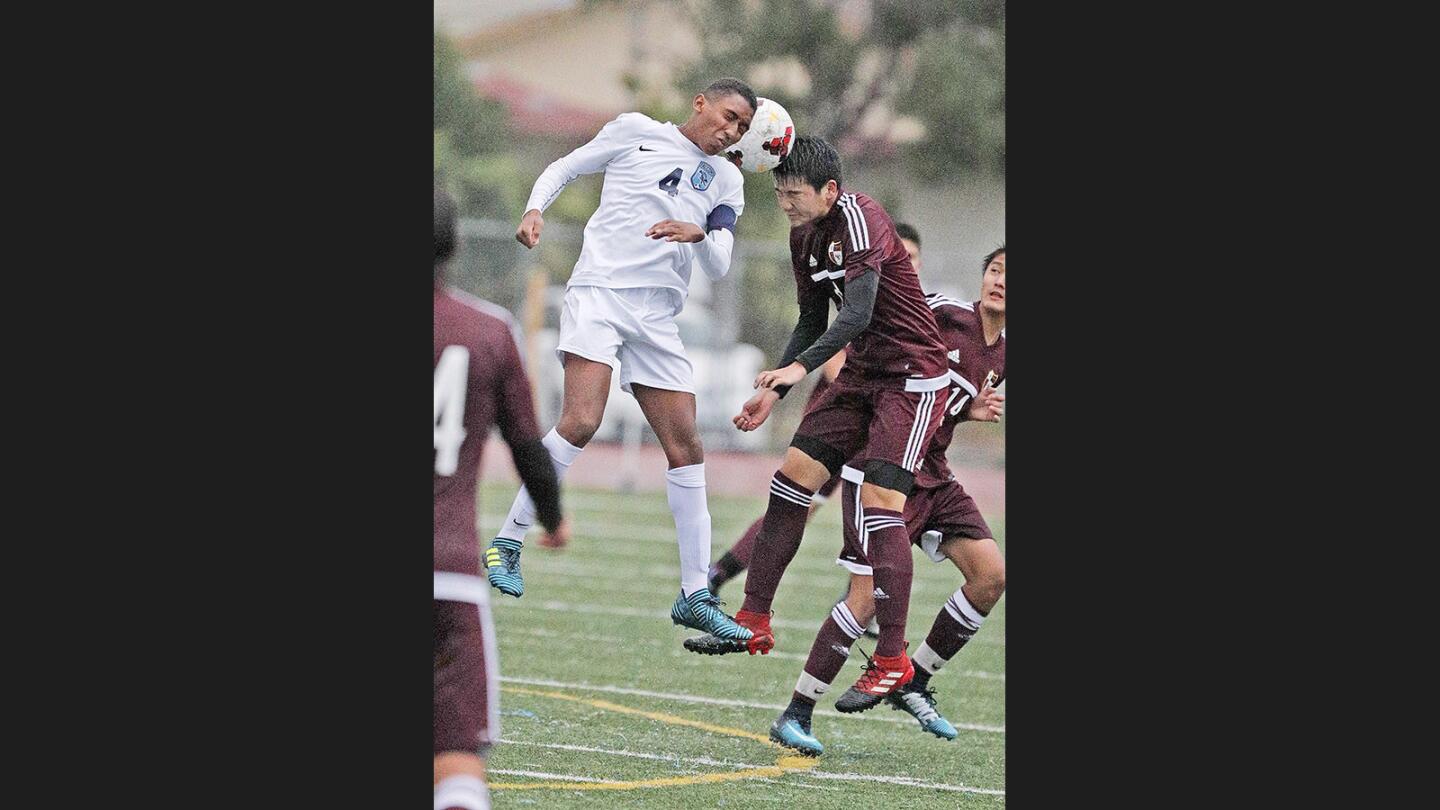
[{"x": 882, "y": 676}]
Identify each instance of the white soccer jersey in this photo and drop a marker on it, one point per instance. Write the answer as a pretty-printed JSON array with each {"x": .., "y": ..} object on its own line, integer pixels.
[{"x": 652, "y": 173}]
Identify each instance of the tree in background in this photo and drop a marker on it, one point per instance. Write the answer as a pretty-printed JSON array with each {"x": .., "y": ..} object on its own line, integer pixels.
[
  {"x": 473, "y": 157},
  {"x": 939, "y": 61}
]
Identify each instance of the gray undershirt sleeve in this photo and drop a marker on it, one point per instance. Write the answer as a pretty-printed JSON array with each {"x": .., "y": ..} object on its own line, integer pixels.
[{"x": 852, "y": 319}]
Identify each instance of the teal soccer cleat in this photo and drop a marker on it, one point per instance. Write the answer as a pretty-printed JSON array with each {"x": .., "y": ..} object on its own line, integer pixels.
[
  {"x": 502, "y": 566},
  {"x": 701, "y": 611},
  {"x": 920, "y": 704},
  {"x": 788, "y": 732}
]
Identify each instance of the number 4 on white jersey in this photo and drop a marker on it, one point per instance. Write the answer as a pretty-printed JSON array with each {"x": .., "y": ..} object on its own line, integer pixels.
[{"x": 451, "y": 377}]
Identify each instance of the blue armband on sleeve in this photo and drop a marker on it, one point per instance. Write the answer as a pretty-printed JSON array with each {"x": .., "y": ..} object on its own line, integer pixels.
[{"x": 722, "y": 217}]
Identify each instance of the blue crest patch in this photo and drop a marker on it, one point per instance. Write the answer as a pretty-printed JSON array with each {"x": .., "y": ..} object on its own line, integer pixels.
[{"x": 704, "y": 173}]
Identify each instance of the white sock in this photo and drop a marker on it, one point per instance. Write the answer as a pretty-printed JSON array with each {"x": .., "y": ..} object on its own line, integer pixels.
[
  {"x": 522, "y": 511},
  {"x": 927, "y": 659},
  {"x": 685, "y": 488},
  {"x": 462, "y": 792}
]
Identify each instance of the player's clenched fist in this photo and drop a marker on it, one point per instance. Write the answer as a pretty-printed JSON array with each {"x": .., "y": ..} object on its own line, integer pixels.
[{"x": 528, "y": 234}]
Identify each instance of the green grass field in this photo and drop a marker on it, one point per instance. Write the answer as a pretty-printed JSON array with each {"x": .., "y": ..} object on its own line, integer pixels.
[{"x": 596, "y": 690}]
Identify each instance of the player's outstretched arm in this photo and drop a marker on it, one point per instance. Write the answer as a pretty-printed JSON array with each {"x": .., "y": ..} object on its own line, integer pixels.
[{"x": 588, "y": 159}]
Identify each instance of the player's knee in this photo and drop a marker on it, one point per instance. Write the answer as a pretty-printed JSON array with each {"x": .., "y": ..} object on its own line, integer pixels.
[
  {"x": 578, "y": 429},
  {"x": 685, "y": 451},
  {"x": 990, "y": 585}
]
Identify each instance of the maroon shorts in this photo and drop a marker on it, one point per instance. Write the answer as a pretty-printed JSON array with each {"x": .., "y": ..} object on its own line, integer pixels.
[
  {"x": 862, "y": 425},
  {"x": 467, "y": 686},
  {"x": 931, "y": 514}
]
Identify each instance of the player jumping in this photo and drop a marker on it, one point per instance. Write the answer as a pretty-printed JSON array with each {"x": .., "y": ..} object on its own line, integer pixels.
[
  {"x": 881, "y": 410},
  {"x": 943, "y": 521},
  {"x": 669, "y": 199}
]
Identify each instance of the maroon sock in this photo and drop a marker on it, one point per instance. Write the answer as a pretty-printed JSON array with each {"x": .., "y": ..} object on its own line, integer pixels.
[
  {"x": 827, "y": 654},
  {"x": 744, "y": 548},
  {"x": 777, "y": 542},
  {"x": 887, "y": 544},
  {"x": 954, "y": 625}
]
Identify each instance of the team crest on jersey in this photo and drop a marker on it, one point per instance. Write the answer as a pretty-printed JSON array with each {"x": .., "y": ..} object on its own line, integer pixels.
[
  {"x": 704, "y": 173},
  {"x": 836, "y": 256},
  {"x": 990, "y": 379}
]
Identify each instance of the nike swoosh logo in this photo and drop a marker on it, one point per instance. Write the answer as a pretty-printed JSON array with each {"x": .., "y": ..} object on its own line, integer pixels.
[
  {"x": 643, "y": 149},
  {"x": 518, "y": 523}
]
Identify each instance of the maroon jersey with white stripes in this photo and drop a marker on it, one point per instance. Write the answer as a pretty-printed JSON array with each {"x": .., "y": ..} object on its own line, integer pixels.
[
  {"x": 972, "y": 365},
  {"x": 901, "y": 348},
  {"x": 479, "y": 382}
]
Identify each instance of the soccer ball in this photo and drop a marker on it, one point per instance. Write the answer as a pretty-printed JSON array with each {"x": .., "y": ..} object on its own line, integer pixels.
[{"x": 767, "y": 140}]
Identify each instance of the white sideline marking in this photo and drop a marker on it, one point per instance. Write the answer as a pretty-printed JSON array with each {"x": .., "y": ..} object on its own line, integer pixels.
[
  {"x": 805, "y": 785},
  {"x": 565, "y": 777},
  {"x": 722, "y": 763},
  {"x": 540, "y": 632},
  {"x": 832, "y": 578},
  {"x": 903, "y": 780},
  {"x": 659, "y": 613},
  {"x": 743, "y": 704},
  {"x": 851, "y": 777}
]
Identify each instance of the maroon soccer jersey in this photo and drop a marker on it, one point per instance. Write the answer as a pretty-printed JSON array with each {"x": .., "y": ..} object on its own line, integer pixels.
[
  {"x": 479, "y": 382},
  {"x": 901, "y": 347},
  {"x": 972, "y": 365}
]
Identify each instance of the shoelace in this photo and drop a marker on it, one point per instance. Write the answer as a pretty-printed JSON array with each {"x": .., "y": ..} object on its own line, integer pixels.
[
  {"x": 872, "y": 675},
  {"x": 922, "y": 703},
  {"x": 508, "y": 557}
]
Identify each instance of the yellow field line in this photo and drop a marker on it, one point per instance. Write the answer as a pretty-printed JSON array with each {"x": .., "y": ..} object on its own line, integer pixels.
[{"x": 784, "y": 764}]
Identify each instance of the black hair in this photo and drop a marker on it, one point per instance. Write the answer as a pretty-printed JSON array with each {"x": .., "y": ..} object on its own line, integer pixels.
[
  {"x": 812, "y": 160},
  {"x": 907, "y": 231},
  {"x": 985, "y": 265},
  {"x": 726, "y": 86},
  {"x": 444, "y": 226}
]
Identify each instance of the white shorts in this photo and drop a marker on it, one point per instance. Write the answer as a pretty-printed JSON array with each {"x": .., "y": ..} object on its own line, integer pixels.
[{"x": 630, "y": 329}]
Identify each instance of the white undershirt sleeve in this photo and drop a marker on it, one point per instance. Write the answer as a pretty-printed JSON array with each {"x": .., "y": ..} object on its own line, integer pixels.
[{"x": 713, "y": 253}]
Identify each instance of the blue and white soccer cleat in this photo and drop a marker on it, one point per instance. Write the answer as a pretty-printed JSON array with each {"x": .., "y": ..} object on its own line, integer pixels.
[
  {"x": 502, "y": 566},
  {"x": 920, "y": 704},
  {"x": 788, "y": 732},
  {"x": 702, "y": 612}
]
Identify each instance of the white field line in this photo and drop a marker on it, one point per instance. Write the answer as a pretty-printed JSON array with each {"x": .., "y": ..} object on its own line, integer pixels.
[
  {"x": 805, "y": 785},
  {"x": 541, "y": 632},
  {"x": 609, "y": 529},
  {"x": 904, "y": 780},
  {"x": 659, "y": 613},
  {"x": 833, "y": 580},
  {"x": 719, "y": 763},
  {"x": 849, "y": 777},
  {"x": 743, "y": 704},
  {"x": 561, "y": 776}
]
